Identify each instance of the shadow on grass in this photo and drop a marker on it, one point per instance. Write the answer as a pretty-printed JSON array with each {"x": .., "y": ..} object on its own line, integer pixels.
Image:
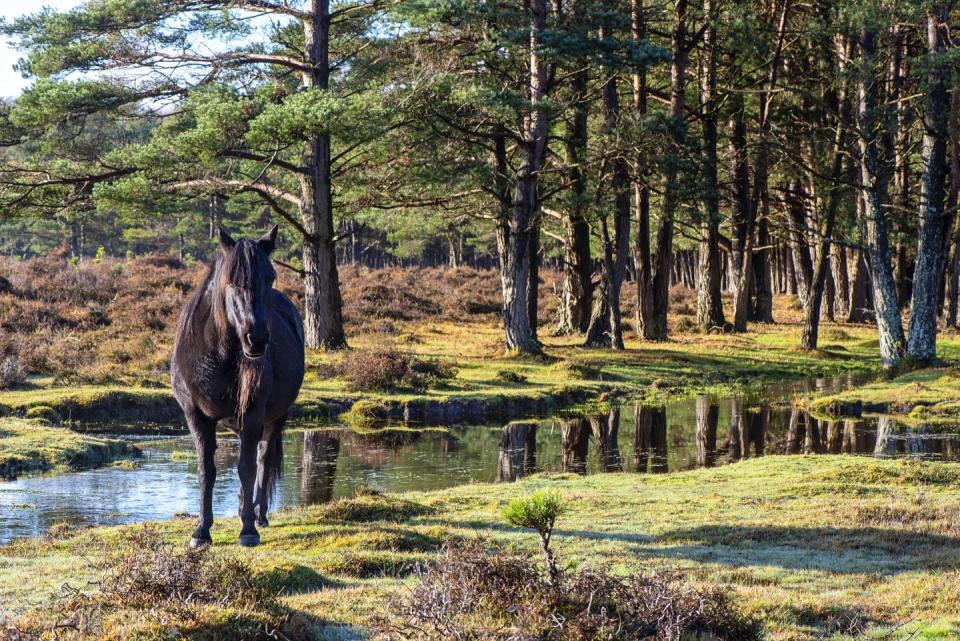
[{"x": 831, "y": 549}]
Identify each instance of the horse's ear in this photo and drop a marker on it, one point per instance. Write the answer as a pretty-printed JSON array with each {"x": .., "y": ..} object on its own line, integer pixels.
[
  {"x": 269, "y": 240},
  {"x": 226, "y": 241}
]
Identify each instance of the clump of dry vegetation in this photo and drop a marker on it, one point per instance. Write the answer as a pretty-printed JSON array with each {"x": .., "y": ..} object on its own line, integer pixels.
[
  {"x": 387, "y": 368},
  {"x": 113, "y": 320},
  {"x": 473, "y": 593},
  {"x": 12, "y": 372},
  {"x": 149, "y": 588}
]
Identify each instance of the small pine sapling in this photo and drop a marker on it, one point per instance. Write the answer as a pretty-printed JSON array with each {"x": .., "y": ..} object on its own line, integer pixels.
[{"x": 539, "y": 512}]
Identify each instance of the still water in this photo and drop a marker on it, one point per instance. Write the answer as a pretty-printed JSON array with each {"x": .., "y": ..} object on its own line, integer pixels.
[{"x": 326, "y": 462}]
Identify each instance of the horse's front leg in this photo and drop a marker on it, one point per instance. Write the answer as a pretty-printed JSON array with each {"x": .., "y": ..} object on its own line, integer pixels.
[
  {"x": 204, "y": 432},
  {"x": 251, "y": 428},
  {"x": 269, "y": 467}
]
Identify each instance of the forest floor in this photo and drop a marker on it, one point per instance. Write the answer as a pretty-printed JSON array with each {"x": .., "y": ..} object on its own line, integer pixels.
[
  {"x": 31, "y": 445},
  {"x": 480, "y": 372},
  {"x": 815, "y": 547}
]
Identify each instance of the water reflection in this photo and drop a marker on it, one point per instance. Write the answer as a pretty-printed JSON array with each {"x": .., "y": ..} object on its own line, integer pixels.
[
  {"x": 650, "y": 445},
  {"x": 324, "y": 463},
  {"x": 518, "y": 451},
  {"x": 318, "y": 465}
]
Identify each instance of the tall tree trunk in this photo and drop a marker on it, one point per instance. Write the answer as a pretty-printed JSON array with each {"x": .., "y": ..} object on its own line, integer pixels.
[
  {"x": 811, "y": 322},
  {"x": 615, "y": 249},
  {"x": 709, "y": 302},
  {"x": 577, "y": 297},
  {"x": 953, "y": 283},
  {"x": 520, "y": 336},
  {"x": 642, "y": 254},
  {"x": 874, "y": 184},
  {"x": 655, "y": 325},
  {"x": 922, "y": 344},
  {"x": 323, "y": 315},
  {"x": 747, "y": 200},
  {"x": 900, "y": 137}
]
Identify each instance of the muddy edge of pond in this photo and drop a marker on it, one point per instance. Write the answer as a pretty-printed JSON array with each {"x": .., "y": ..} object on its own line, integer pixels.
[{"x": 155, "y": 408}]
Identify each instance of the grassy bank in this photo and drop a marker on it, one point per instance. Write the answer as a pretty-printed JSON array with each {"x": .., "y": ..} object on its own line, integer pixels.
[
  {"x": 30, "y": 445},
  {"x": 814, "y": 546},
  {"x": 929, "y": 396},
  {"x": 491, "y": 385}
]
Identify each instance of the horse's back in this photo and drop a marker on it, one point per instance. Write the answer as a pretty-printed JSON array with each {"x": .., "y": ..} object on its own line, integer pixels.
[
  {"x": 287, "y": 313},
  {"x": 287, "y": 353}
]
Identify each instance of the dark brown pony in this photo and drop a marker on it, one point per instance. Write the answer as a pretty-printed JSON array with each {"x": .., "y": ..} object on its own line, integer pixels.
[{"x": 238, "y": 362}]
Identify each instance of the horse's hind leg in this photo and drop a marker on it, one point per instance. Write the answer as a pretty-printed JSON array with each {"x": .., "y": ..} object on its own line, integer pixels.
[
  {"x": 204, "y": 434},
  {"x": 269, "y": 467}
]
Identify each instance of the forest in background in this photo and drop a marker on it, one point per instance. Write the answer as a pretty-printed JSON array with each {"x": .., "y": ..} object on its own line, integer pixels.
[{"x": 740, "y": 146}]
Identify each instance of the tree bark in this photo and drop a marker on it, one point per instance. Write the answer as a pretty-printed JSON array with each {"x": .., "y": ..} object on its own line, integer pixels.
[
  {"x": 520, "y": 336},
  {"x": 709, "y": 302},
  {"x": 874, "y": 185},
  {"x": 642, "y": 255},
  {"x": 811, "y": 323},
  {"x": 323, "y": 313},
  {"x": 922, "y": 345},
  {"x": 577, "y": 297},
  {"x": 953, "y": 282},
  {"x": 841, "y": 281}
]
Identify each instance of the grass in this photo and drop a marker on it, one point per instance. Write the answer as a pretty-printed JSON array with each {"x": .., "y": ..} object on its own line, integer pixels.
[
  {"x": 689, "y": 363},
  {"x": 929, "y": 396},
  {"x": 813, "y": 546},
  {"x": 28, "y": 445}
]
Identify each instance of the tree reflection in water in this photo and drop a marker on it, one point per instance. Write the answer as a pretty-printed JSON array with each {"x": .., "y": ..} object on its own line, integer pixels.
[
  {"x": 518, "y": 451},
  {"x": 318, "y": 465}
]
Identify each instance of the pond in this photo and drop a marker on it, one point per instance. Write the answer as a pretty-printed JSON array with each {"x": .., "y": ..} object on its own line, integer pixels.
[{"x": 330, "y": 461}]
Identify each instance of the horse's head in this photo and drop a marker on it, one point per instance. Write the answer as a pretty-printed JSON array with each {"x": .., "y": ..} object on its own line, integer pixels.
[{"x": 246, "y": 279}]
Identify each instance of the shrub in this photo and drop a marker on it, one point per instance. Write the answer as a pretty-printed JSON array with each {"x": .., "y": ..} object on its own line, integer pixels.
[
  {"x": 470, "y": 593},
  {"x": 43, "y": 413},
  {"x": 583, "y": 368},
  {"x": 12, "y": 372},
  {"x": 508, "y": 376},
  {"x": 151, "y": 589},
  {"x": 539, "y": 512},
  {"x": 388, "y": 368}
]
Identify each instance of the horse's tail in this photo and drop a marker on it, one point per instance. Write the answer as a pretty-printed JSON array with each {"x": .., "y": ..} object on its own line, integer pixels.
[{"x": 273, "y": 462}]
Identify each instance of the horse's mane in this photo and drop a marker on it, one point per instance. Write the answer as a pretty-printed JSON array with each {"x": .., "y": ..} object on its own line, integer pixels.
[{"x": 242, "y": 267}]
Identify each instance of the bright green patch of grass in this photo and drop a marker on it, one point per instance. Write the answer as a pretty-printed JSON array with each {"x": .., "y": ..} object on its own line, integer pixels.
[
  {"x": 28, "y": 445},
  {"x": 928, "y": 395}
]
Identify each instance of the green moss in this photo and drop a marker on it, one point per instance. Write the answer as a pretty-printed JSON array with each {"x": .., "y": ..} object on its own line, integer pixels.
[
  {"x": 43, "y": 413},
  {"x": 29, "y": 445},
  {"x": 919, "y": 396}
]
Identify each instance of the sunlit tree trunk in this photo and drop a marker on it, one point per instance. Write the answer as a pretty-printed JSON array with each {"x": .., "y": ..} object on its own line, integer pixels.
[
  {"x": 520, "y": 335},
  {"x": 922, "y": 344},
  {"x": 709, "y": 302},
  {"x": 323, "y": 316},
  {"x": 874, "y": 185}
]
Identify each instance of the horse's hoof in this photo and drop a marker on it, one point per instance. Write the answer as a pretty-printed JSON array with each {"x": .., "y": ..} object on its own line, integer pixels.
[
  {"x": 199, "y": 542},
  {"x": 263, "y": 522},
  {"x": 249, "y": 540}
]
